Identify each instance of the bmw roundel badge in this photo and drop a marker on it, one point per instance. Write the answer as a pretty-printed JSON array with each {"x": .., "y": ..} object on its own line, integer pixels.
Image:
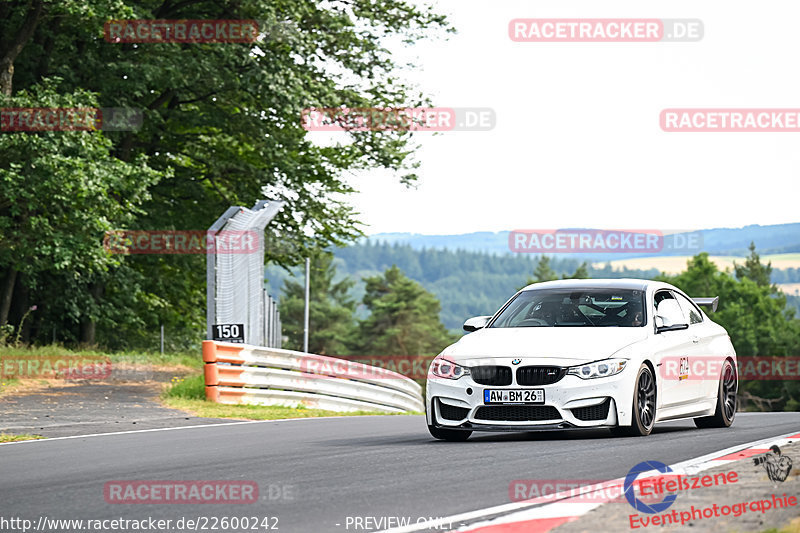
[{"x": 516, "y": 361}]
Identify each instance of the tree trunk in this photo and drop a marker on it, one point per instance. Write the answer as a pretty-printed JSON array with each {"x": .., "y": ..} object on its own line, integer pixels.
[
  {"x": 88, "y": 324},
  {"x": 22, "y": 306},
  {"x": 6, "y": 295},
  {"x": 15, "y": 45},
  {"x": 88, "y": 329}
]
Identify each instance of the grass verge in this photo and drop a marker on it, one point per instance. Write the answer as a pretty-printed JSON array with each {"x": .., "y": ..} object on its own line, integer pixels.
[
  {"x": 12, "y": 386},
  {"x": 17, "y": 438},
  {"x": 793, "y": 527},
  {"x": 187, "y": 359},
  {"x": 188, "y": 395}
]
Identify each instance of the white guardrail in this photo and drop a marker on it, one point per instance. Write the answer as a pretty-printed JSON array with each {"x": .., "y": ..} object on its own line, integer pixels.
[{"x": 244, "y": 374}]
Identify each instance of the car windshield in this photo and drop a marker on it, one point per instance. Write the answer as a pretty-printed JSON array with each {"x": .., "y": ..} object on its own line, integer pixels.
[{"x": 570, "y": 307}]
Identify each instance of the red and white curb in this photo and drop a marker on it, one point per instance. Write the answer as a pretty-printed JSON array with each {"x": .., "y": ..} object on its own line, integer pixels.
[{"x": 539, "y": 515}]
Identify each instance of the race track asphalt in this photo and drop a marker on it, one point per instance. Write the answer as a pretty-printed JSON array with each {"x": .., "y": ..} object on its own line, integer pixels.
[{"x": 315, "y": 473}]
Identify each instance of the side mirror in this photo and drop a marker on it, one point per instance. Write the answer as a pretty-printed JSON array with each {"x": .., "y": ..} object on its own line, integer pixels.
[
  {"x": 665, "y": 324},
  {"x": 475, "y": 323}
]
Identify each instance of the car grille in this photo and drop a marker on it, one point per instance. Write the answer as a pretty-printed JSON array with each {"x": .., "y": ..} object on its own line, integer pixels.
[
  {"x": 451, "y": 412},
  {"x": 517, "y": 413},
  {"x": 539, "y": 375},
  {"x": 496, "y": 376},
  {"x": 594, "y": 412}
]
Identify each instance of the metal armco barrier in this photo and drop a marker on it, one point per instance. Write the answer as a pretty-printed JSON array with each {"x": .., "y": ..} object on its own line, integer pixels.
[{"x": 244, "y": 374}]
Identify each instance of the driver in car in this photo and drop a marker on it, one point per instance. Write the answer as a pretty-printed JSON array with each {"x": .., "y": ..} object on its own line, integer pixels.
[{"x": 546, "y": 311}]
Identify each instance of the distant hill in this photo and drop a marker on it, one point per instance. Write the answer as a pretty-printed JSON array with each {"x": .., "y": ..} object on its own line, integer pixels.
[{"x": 773, "y": 239}]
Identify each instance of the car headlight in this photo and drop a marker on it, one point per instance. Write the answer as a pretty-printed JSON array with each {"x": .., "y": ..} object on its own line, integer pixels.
[
  {"x": 598, "y": 369},
  {"x": 444, "y": 368}
]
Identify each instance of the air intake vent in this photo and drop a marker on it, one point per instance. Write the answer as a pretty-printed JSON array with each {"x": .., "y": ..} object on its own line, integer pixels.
[
  {"x": 517, "y": 413},
  {"x": 451, "y": 412},
  {"x": 595, "y": 412},
  {"x": 496, "y": 376},
  {"x": 539, "y": 375}
]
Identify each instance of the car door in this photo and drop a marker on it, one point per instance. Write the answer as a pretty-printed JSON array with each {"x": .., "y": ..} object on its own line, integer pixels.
[
  {"x": 673, "y": 351},
  {"x": 704, "y": 366}
]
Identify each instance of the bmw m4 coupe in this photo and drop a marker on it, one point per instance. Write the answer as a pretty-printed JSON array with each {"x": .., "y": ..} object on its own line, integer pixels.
[{"x": 621, "y": 354}]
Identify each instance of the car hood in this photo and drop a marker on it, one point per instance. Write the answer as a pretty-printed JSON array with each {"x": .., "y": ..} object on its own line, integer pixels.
[{"x": 574, "y": 343}]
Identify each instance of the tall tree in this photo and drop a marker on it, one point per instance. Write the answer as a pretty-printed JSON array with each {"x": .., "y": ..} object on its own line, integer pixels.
[
  {"x": 582, "y": 272},
  {"x": 331, "y": 312},
  {"x": 403, "y": 320},
  {"x": 543, "y": 271},
  {"x": 753, "y": 269}
]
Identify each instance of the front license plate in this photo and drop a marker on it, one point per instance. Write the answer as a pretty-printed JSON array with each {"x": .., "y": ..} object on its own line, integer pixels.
[{"x": 513, "y": 396}]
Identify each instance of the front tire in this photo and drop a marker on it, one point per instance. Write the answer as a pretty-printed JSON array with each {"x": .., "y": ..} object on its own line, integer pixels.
[
  {"x": 644, "y": 406},
  {"x": 727, "y": 401}
]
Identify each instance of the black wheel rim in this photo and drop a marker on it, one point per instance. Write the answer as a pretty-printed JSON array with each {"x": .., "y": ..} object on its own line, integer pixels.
[
  {"x": 729, "y": 392},
  {"x": 646, "y": 399}
]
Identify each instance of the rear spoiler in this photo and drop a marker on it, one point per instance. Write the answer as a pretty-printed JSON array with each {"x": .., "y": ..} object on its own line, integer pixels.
[{"x": 708, "y": 302}]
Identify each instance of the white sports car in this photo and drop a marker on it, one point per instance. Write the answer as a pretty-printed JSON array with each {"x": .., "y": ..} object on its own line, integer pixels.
[{"x": 613, "y": 353}]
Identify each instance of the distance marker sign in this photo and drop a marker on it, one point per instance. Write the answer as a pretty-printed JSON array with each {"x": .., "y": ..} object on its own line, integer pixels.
[{"x": 228, "y": 332}]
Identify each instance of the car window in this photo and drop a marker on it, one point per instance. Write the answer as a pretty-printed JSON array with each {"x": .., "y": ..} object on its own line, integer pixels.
[
  {"x": 668, "y": 308},
  {"x": 690, "y": 311},
  {"x": 601, "y": 307}
]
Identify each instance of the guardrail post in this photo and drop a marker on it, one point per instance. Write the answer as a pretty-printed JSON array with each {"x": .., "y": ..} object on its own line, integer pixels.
[{"x": 211, "y": 371}]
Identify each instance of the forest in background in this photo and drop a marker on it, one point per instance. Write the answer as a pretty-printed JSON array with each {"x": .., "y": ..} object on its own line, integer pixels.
[{"x": 466, "y": 283}]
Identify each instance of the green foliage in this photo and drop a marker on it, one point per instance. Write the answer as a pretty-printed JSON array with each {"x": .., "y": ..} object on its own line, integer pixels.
[
  {"x": 190, "y": 388},
  {"x": 403, "y": 320},
  {"x": 331, "y": 318},
  {"x": 755, "y": 315},
  {"x": 753, "y": 269},
  {"x": 543, "y": 272},
  {"x": 202, "y": 408},
  {"x": 582, "y": 272},
  {"x": 221, "y": 127},
  {"x": 16, "y": 438},
  {"x": 466, "y": 283}
]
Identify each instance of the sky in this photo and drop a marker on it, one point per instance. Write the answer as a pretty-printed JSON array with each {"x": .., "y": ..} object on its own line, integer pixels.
[{"x": 577, "y": 141}]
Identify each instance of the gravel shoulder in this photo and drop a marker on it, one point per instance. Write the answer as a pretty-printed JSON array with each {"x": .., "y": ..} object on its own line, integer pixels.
[{"x": 128, "y": 400}]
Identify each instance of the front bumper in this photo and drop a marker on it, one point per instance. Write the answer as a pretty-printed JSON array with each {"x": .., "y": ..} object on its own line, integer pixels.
[{"x": 570, "y": 403}]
